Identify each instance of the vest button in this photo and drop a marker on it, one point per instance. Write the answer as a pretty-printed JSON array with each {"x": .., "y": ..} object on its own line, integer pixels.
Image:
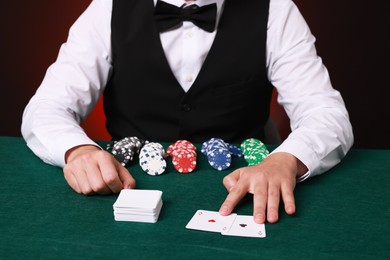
[{"x": 186, "y": 107}]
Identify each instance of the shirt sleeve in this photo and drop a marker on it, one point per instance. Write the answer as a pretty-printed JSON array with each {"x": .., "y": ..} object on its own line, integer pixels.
[
  {"x": 71, "y": 87},
  {"x": 321, "y": 131}
]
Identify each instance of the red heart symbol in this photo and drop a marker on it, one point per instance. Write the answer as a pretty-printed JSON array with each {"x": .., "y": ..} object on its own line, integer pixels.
[{"x": 211, "y": 220}]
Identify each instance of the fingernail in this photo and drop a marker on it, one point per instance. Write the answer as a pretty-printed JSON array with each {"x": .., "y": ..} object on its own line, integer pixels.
[
  {"x": 259, "y": 218},
  {"x": 272, "y": 217},
  {"x": 224, "y": 209}
]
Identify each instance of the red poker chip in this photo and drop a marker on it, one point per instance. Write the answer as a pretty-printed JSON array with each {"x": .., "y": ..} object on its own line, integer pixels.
[
  {"x": 181, "y": 145},
  {"x": 185, "y": 145},
  {"x": 183, "y": 155},
  {"x": 184, "y": 164}
]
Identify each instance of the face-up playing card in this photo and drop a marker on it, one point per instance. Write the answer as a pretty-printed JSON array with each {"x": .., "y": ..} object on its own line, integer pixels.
[
  {"x": 245, "y": 226},
  {"x": 210, "y": 221}
]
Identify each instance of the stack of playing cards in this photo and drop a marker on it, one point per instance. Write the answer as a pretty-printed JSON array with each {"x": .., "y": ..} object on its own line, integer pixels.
[
  {"x": 232, "y": 225},
  {"x": 138, "y": 205}
]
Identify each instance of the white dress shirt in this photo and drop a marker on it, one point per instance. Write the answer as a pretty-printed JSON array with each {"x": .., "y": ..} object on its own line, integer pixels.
[{"x": 321, "y": 132}]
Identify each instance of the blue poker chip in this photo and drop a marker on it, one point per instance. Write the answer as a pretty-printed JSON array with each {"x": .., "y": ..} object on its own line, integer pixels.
[
  {"x": 218, "y": 153},
  {"x": 205, "y": 146},
  {"x": 220, "y": 159},
  {"x": 235, "y": 151}
]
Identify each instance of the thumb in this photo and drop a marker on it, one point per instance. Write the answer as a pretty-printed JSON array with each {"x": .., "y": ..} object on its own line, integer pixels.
[
  {"x": 231, "y": 179},
  {"x": 128, "y": 181}
]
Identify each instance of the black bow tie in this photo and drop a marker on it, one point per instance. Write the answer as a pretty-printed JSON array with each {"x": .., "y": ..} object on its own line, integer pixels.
[{"x": 168, "y": 16}]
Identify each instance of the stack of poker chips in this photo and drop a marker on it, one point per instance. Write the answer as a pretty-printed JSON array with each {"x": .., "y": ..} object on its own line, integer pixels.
[
  {"x": 254, "y": 151},
  {"x": 138, "y": 205},
  {"x": 234, "y": 150},
  {"x": 183, "y": 155},
  {"x": 219, "y": 153},
  {"x": 152, "y": 159},
  {"x": 125, "y": 149}
]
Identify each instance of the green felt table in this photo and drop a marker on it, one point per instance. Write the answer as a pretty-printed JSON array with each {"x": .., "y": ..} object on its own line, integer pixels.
[{"x": 343, "y": 214}]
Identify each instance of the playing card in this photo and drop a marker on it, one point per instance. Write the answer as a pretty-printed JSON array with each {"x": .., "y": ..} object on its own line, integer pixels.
[
  {"x": 210, "y": 221},
  {"x": 141, "y": 212},
  {"x": 135, "y": 218},
  {"x": 138, "y": 205},
  {"x": 138, "y": 217},
  {"x": 245, "y": 226},
  {"x": 146, "y": 200}
]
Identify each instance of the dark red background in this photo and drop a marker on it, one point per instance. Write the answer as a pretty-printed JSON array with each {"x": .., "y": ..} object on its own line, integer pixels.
[{"x": 353, "y": 38}]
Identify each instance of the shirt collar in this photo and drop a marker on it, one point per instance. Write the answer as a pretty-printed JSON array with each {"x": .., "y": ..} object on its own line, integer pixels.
[{"x": 198, "y": 2}]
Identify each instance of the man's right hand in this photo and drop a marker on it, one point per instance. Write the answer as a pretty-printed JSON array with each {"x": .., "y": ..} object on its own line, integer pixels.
[{"x": 90, "y": 170}]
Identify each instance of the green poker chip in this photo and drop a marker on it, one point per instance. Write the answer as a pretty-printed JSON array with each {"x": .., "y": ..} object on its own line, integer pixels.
[{"x": 254, "y": 151}]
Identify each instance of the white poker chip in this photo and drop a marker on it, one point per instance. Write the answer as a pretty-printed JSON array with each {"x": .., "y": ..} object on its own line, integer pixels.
[{"x": 151, "y": 159}]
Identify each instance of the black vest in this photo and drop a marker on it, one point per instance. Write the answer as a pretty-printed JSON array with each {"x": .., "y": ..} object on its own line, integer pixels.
[{"x": 229, "y": 99}]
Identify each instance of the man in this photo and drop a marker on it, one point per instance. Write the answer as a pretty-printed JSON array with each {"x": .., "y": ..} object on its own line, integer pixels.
[{"x": 165, "y": 80}]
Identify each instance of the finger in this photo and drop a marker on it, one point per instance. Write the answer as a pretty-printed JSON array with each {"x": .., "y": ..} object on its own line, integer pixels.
[
  {"x": 96, "y": 181},
  {"x": 260, "y": 203},
  {"x": 83, "y": 183},
  {"x": 128, "y": 181},
  {"x": 231, "y": 179},
  {"x": 236, "y": 193},
  {"x": 288, "y": 199},
  {"x": 273, "y": 203},
  {"x": 71, "y": 180},
  {"x": 110, "y": 175}
]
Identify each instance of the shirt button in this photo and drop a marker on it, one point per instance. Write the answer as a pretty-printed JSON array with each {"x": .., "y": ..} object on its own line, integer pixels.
[
  {"x": 189, "y": 79},
  {"x": 189, "y": 35},
  {"x": 186, "y": 107}
]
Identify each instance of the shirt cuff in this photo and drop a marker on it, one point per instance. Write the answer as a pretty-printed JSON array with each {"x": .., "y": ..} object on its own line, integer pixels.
[
  {"x": 60, "y": 147},
  {"x": 303, "y": 152}
]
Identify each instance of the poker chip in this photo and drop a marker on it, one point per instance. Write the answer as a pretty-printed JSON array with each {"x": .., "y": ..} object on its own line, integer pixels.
[
  {"x": 151, "y": 159},
  {"x": 254, "y": 151},
  {"x": 125, "y": 149},
  {"x": 181, "y": 144},
  {"x": 183, "y": 155},
  {"x": 235, "y": 151},
  {"x": 218, "y": 153}
]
